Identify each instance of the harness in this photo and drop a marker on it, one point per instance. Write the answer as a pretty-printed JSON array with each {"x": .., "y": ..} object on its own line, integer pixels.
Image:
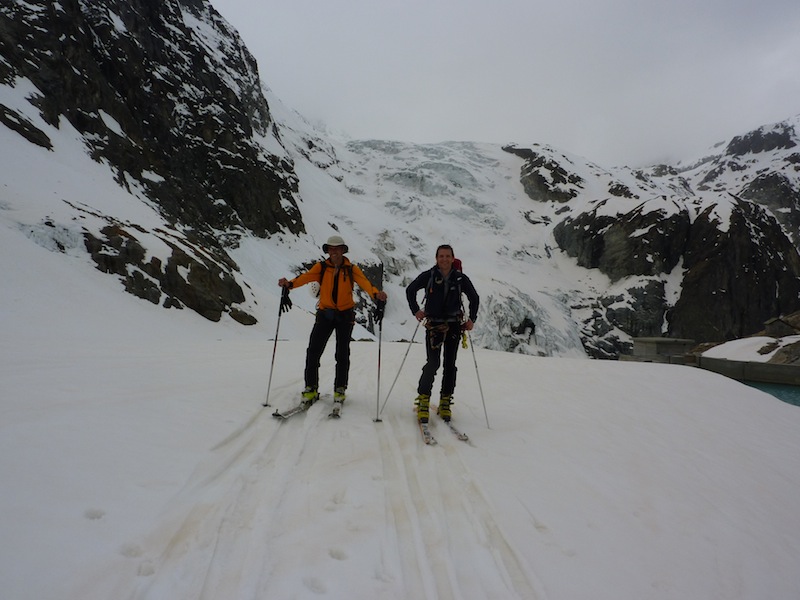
[
  {"x": 453, "y": 282},
  {"x": 437, "y": 330}
]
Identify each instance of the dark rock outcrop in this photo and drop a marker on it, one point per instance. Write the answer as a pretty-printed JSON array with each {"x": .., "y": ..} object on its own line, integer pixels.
[
  {"x": 165, "y": 93},
  {"x": 641, "y": 242},
  {"x": 736, "y": 279},
  {"x": 729, "y": 222},
  {"x": 196, "y": 280},
  {"x": 762, "y": 140},
  {"x": 776, "y": 191},
  {"x": 17, "y": 122},
  {"x": 544, "y": 179},
  {"x": 643, "y": 315}
]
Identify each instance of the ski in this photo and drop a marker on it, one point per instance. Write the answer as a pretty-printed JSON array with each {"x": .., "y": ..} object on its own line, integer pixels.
[
  {"x": 337, "y": 410},
  {"x": 427, "y": 436},
  {"x": 457, "y": 432},
  {"x": 302, "y": 407},
  {"x": 424, "y": 429}
]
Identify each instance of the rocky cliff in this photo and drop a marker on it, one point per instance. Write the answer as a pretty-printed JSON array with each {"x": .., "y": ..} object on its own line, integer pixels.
[
  {"x": 570, "y": 257},
  {"x": 165, "y": 94},
  {"x": 727, "y": 226}
]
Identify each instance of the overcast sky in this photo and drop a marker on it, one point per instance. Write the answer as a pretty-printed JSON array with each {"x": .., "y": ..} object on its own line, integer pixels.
[{"x": 616, "y": 81}]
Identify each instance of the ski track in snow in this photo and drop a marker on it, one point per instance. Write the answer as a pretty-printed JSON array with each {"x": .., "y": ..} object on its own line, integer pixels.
[
  {"x": 255, "y": 506},
  {"x": 439, "y": 510},
  {"x": 226, "y": 532}
]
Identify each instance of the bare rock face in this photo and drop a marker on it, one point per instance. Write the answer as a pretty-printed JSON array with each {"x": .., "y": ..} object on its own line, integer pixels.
[
  {"x": 645, "y": 241},
  {"x": 545, "y": 179},
  {"x": 184, "y": 280},
  {"x": 736, "y": 279},
  {"x": 777, "y": 192},
  {"x": 735, "y": 276},
  {"x": 166, "y": 94},
  {"x": 788, "y": 355},
  {"x": 761, "y": 140},
  {"x": 708, "y": 251}
]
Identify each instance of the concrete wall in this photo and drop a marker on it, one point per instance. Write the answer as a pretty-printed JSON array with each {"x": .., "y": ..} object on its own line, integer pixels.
[
  {"x": 735, "y": 369},
  {"x": 751, "y": 371},
  {"x": 675, "y": 351},
  {"x": 672, "y": 359},
  {"x": 659, "y": 346},
  {"x": 659, "y": 350}
]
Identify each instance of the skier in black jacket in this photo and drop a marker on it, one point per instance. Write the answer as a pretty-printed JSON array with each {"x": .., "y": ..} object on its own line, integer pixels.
[{"x": 443, "y": 316}]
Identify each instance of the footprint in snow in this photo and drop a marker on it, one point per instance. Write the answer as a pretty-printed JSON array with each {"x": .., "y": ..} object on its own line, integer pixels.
[
  {"x": 315, "y": 585},
  {"x": 94, "y": 514}
]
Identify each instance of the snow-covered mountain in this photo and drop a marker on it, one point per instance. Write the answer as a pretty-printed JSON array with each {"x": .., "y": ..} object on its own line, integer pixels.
[
  {"x": 135, "y": 457},
  {"x": 140, "y": 140}
]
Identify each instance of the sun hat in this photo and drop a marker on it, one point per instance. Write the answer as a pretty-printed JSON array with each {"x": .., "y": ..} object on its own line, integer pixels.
[{"x": 335, "y": 240}]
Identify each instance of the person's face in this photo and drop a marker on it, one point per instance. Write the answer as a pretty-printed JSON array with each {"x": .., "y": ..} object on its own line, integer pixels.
[
  {"x": 444, "y": 259},
  {"x": 337, "y": 254}
]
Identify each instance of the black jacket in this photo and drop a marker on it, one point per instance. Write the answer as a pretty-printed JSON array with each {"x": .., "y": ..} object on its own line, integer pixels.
[{"x": 443, "y": 296}]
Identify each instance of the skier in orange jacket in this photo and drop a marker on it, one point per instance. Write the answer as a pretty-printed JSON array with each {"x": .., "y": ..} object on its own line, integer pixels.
[{"x": 335, "y": 312}]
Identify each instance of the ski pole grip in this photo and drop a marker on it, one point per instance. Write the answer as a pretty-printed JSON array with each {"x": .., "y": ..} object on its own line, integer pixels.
[
  {"x": 286, "y": 303},
  {"x": 380, "y": 305}
]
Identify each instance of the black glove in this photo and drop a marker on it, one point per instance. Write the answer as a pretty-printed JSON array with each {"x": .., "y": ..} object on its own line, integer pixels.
[
  {"x": 377, "y": 313},
  {"x": 286, "y": 304}
]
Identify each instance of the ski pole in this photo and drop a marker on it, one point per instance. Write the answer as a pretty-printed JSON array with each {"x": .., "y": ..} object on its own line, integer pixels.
[
  {"x": 400, "y": 369},
  {"x": 478, "y": 375},
  {"x": 380, "y": 306},
  {"x": 285, "y": 305},
  {"x": 379, "y": 317}
]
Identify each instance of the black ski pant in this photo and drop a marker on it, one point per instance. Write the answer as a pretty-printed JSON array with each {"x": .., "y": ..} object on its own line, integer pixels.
[
  {"x": 328, "y": 321},
  {"x": 440, "y": 338}
]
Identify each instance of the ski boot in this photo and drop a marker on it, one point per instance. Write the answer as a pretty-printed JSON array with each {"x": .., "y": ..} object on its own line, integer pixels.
[
  {"x": 309, "y": 395},
  {"x": 444, "y": 408},
  {"x": 338, "y": 400},
  {"x": 423, "y": 405}
]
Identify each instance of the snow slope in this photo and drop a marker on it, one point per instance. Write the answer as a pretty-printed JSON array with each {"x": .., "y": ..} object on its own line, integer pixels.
[{"x": 137, "y": 462}]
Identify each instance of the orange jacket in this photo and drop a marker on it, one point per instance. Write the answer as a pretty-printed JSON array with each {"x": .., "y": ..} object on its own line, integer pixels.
[{"x": 344, "y": 293}]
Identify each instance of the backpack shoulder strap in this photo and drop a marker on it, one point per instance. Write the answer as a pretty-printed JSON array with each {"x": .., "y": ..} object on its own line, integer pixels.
[
  {"x": 429, "y": 287},
  {"x": 346, "y": 269}
]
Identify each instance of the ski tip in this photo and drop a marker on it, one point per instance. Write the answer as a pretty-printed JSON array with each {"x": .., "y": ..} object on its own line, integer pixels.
[
  {"x": 427, "y": 436},
  {"x": 277, "y": 415},
  {"x": 460, "y": 435}
]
